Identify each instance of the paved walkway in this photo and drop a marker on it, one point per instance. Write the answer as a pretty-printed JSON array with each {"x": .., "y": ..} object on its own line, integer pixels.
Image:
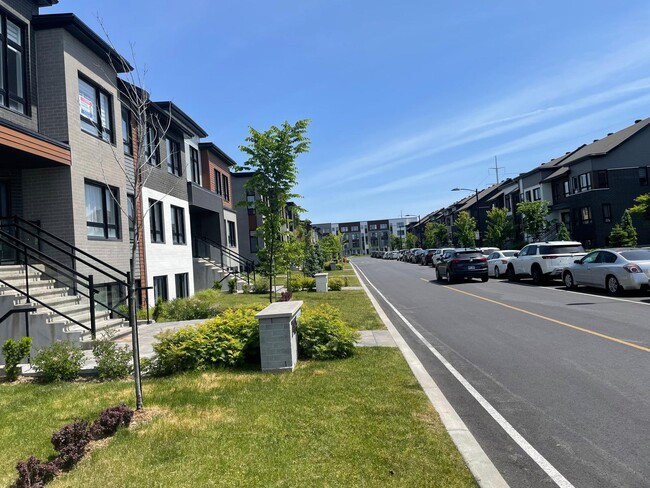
[{"x": 375, "y": 338}]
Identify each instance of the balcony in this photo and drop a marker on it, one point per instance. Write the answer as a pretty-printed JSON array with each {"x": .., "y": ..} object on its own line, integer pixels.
[{"x": 205, "y": 199}]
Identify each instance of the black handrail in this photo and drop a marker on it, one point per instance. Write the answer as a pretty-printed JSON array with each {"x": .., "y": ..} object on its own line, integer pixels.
[
  {"x": 248, "y": 265},
  {"x": 231, "y": 254}
]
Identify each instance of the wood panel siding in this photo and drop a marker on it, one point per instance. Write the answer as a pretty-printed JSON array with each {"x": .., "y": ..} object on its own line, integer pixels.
[{"x": 25, "y": 143}]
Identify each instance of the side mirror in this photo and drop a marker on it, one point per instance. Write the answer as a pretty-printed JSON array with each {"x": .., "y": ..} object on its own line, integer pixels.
[
  {"x": 578, "y": 261},
  {"x": 516, "y": 255}
]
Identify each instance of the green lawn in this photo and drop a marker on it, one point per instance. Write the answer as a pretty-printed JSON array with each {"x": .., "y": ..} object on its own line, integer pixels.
[
  {"x": 354, "y": 305},
  {"x": 362, "y": 421}
]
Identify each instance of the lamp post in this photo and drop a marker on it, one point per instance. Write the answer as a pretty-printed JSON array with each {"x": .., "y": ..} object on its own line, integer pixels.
[{"x": 478, "y": 213}]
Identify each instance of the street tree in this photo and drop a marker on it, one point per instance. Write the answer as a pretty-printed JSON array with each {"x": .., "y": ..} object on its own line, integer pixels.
[
  {"x": 465, "y": 229},
  {"x": 331, "y": 247},
  {"x": 499, "y": 227},
  {"x": 534, "y": 217},
  {"x": 429, "y": 235},
  {"x": 641, "y": 205},
  {"x": 623, "y": 234},
  {"x": 563, "y": 233},
  {"x": 272, "y": 157},
  {"x": 440, "y": 234},
  {"x": 396, "y": 242},
  {"x": 411, "y": 240}
]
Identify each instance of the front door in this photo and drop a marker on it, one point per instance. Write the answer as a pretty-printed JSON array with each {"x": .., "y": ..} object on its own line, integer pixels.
[{"x": 7, "y": 253}]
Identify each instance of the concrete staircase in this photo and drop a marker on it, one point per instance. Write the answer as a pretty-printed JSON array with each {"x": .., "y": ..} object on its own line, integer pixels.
[
  {"x": 58, "y": 297},
  {"x": 207, "y": 271}
]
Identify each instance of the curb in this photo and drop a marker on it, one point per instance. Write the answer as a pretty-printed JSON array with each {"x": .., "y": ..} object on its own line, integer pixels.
[{"x": 484, "y": 471}]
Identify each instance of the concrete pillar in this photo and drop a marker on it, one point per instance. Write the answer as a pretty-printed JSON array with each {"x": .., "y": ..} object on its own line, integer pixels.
[
  {"x": 321, "y": 282},
  {"x": 278, "y": 324}
]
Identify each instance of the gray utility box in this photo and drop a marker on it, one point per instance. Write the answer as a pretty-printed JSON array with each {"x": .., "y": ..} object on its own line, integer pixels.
[
  {"x": 278, "y": 325},
  {"x": 321, "y": 282}
]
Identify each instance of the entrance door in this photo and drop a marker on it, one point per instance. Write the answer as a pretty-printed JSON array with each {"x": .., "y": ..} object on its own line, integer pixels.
[{"x": 7, "y": 253}]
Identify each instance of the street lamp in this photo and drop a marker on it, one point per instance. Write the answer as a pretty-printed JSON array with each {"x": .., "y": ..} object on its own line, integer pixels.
[{"x": 478, "y": 213}]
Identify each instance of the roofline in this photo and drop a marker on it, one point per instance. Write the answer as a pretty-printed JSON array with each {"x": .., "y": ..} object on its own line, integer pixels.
[
  {"x": 182, "y": 117},
  {"x": 72, "y": 24},
  {"x": 47, "y": 3},
  {"x": 211, "y": 146}
]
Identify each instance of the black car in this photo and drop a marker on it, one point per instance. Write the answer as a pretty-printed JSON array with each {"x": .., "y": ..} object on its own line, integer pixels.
[{"x": 462, "y": 263}]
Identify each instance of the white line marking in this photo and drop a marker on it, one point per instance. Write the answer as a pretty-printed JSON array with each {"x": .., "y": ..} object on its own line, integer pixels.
[
  {"x": 548, "y": 468},
  {"x": 597, "y": 296}
]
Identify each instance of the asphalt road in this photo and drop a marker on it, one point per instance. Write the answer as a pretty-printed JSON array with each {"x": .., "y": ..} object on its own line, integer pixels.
[{"x": 569, "y": 371}]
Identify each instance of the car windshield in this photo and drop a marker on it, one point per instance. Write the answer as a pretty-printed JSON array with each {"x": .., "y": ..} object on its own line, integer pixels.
[
  {"x": 469, "y": 254},
  {"x": 509, "y": 254},
  {"x": 560, "y": 249},
  {"x": 636, "y": 255}
]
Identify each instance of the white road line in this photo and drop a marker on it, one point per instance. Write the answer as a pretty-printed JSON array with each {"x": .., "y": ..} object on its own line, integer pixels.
[
  {"x": 540, "y": 460},
  {"x": 596, "y": 296}
]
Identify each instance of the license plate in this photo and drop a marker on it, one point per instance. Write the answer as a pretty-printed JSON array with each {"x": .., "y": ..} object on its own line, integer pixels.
[{"x": 470, "y": 267}]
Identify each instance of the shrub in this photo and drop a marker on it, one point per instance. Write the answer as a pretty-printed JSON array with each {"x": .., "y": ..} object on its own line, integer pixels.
[
  {"x": 232, "y": 285},
  {"x": 157, "y": 309},
  {"x": 323, "y": 335},
  {"x": 14, "y": 352},
  {"x": 246, "y": 288},
  {"x": 309, "y": 284},
  {"x": 261, "y": 285},
  {"x": 185, "y": 309},
  {"x": 110, "y": 420},
  {"x": 62, "y": 361},
  {"x": 335, "y": 284},
  {"x": 113, "y": 361},
  {"x": 71, "y": 442},
  {"x": 346, "y": 282},
  {"x": 34, "y": 473},
  {"x": 339, "y": 266},
  {"x": 227, "y": 340},
  {"x": 296, "y": 283}
]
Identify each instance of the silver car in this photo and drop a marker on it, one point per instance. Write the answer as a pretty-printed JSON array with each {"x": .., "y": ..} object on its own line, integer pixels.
[{"x": 613, "y": 269}]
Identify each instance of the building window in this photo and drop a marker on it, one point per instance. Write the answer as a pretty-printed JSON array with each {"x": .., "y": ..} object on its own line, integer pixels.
[
  {"x": 232, "y": 238},
  {"x": 344, "y": 229},
  {"x": 383, "y": 226},
  {"x": 355, "y": 228},
  {"x": 574, "y": 186},
  {"x": 585, "y": 181},
  {"x": 12, "y": 65},
  {"x": 585, "y": 215},
  {"x": 195, "y": 165},
  {"x": 95, "y": 111},
  {"x": 373, "y": 226},
  {"x": 156, "y": 221},
  {"x": 250, "y": 202},
  {"x": 567, "y": 188},
  {"x": 130, "y": 199},
  {"x": 643, "y": 176},
  {"x": 151, "y": 147},
  {"x": 182, "y": 285},
  {"x": 160, "y": 288},
  {"x": 507, "y": 202},
  {"x": 529, "y": 197},
  {"x": 536, "y": 195},
  {"x": 102, "y": 211},
  {"x": 252, "y": 237},
  {"x": 217, "y": 182},
  {"x": 607, "y": 213},
  {"x": 174, "y": 158},
  {"x": 602, "y": 179},
  {"x": 126, "y": 132},
  {"x": 178, "y": 225},
  {"x": 226, "y": 188}
]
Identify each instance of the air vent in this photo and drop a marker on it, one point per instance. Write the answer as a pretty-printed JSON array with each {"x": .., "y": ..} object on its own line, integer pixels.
[{"x": 637, "y": 121}]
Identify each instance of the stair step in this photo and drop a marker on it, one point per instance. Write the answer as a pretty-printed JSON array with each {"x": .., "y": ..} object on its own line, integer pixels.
[{"x": 54, "y": 302}]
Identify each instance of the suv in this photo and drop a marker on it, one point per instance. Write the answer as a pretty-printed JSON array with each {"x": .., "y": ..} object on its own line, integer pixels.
[
  {"x": 543, "y": 260},
  {"x": 462, "y": 263}
]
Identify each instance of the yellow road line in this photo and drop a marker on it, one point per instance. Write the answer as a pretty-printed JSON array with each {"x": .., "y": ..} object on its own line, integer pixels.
[{"x": 559, "y": 322}]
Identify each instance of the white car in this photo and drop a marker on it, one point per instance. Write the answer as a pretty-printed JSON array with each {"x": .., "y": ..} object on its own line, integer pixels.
[
  {"x": 613, "y": 269},
  {"x": 544, "y": 260},
  {"x": 498, "y": 262}
]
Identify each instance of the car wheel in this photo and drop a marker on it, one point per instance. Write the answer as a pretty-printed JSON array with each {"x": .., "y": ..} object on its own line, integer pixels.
[
  {"x": 485, "y": 278},
  {"x": 438, "y": 276},
  {"x": 613, "y": 286},
  {"x": 450, "y": 279},
  {"x": 538, "y": 276},
  {"x": 568, "y": 281},
  {"x": 512, "y": 276},
  {"x": 497, "y": 273}
]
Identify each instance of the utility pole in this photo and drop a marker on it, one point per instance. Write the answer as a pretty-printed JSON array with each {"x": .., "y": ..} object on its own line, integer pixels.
[{"x": 497, "y": 168}]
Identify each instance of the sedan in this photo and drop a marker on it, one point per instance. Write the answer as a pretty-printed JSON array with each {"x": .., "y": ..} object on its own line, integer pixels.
[
  {"x": 614, "y": 270},
  {"x": 498, "y": 262}
]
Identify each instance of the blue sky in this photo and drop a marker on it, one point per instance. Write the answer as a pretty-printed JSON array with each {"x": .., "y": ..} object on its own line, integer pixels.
[{"x": 407, "y": 99}]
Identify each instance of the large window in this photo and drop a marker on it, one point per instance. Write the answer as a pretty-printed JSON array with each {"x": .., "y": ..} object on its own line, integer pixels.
[
  {"x": 182, "y": 285},
  {"x": 160, "y": 288},
  {"x": 232, "y": 237},
  {"x": 130, "y": 199},
  {"x": 607, "y": 213},
  {"x": 174, "y": 157},
  {"x": 178, "y": 225},
  {"x": 252, "y": 236},
  {"x": 195, "y": 165},
  {"x": 95, "y": 110},
  {"x": 585, "y": 181},
  {"x": 156, "y": 221},
  {"x": 102, "y": 211},
  {"x": 585, "y": 215},
  {"x": 151, "y": 152},
  {"x": 602, "y": 179},
  {"x": 536, "y": 195},
  {"x": 12, "y": 65},
  {"x": 226, "y": 188},
  {"x": 127, "y": 139},
  {"x": 217, "y": 182}
]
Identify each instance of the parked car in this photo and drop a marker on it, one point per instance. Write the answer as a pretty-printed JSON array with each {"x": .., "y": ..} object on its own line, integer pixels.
[
  {"x": 488, "y": 250},
  {"x": 428, "y": 257},
  {"x": 418, "y": 256},
  {"x": 615, "y": 270},
  {"x": 438, "y": 255},
  {"x": 401, "y": 254},
  {"x": 498, "y": 262},
  {"x": 410, "y": 254},
  {"x": 543, "y": 260},
  {"x": 462, "y": 263}
]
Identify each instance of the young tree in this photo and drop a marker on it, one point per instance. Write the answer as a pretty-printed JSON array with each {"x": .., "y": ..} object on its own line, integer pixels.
[
  {"x": 499, "y": 227},
  {"x": 465, "y": 229},
  {"x": 642, "y": 204},
  {"x": 272, "y": 156},
  {"x": 411, "y": 240},
  {"x": 331, "y": 246},
  {"x": 534, "y": 217},
  {"x": 563, "y": 233},
  {"x": 440, "y": 234},
  {"x": 429, "y": 235},
  {"x": 623, "y": 234},
  {"x": 396, "y": 243}
]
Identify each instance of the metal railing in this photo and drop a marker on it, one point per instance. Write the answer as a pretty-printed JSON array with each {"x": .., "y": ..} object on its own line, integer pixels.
[{"x": 203, "y": 247}]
